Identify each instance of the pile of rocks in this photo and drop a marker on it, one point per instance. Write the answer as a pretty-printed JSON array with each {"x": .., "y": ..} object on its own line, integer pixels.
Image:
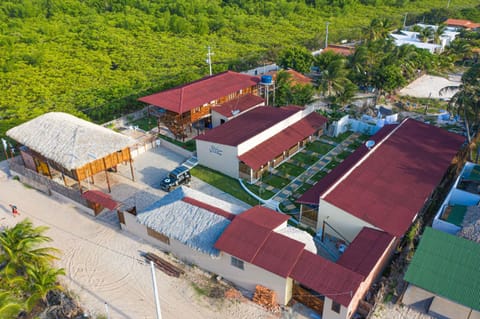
[{"x": 471, "y": 225}]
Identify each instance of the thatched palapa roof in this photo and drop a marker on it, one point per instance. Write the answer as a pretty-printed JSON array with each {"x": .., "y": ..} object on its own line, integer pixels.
[{"x": 68, "y": 140}]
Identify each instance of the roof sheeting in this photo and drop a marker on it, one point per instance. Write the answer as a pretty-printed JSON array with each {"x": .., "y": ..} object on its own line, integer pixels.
[
  {"x": 327, "y": 278},
  {"x": 365, "y": 251},
  {"x": 248, "y": 125},
  {"x": 238, "y": 105},
  {"x": 194, "y": 226},
  {"x": 447, "y": 266},
  {"x": 288, "y": 137},
  {"x": 68, "y": 140},
  {"x": 376, "y": 185},
  {"x": 191, "y": 95}
]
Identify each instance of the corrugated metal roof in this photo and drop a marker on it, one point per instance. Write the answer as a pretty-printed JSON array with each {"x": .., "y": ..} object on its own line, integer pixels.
[
  {"x": 379, "y": 189},
  {"x": 278, "y": 254},
  {"x": 101, "y": 198},
  {"x": 365, "y": 250},
  {"x": 282, "y": 141},
  {"x": 264, "y": 217},
  {"x": 327, "y": 278},
  {"x": 186, "y": 97},
  {"x": 248, "y": 125},
  {"x": 238, "y": 105},
  {"x": 448, "y": 266}
]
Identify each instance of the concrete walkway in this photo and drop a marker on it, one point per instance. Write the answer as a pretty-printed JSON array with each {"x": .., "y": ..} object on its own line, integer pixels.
[{"x": 283, "y": 196}]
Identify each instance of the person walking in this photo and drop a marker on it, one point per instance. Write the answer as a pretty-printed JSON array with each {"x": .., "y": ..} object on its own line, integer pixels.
[{"x": 15, "y": 212}]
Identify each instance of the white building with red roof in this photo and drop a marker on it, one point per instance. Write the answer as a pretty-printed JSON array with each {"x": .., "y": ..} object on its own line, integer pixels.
[
  {"x": 258, "y": 140},
  {"x": 460, "y": 24},
  {"x": 383, "y": 187}
]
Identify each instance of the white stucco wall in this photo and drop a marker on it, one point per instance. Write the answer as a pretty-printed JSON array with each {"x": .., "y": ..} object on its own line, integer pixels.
[
  {"x": 348, "y": 225},
  {"x": 328, "y": 313},
  {"x": 217, "y": 117},
  {"x": 247, "y": 278},
  {"x": 222, "y": 158}
]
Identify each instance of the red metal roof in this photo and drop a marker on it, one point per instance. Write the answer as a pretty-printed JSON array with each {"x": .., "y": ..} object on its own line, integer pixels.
[
  {"x": 247, "y": 233},
  {"x": 191, "y": 95},
  {"x": 312, "y": 196},
  {"x": 264, "y": 217},
  {"x": 327, "y": 278},
  {"x": 251, "y": 237},
  {"x": 208, "y": 207},
  {"x": 287, "y": 138},
  {"x": 238, "y": 105},
  {"x": 395, "y": 178},
  {"x": 278, "y": 254},
  {"x": 296, "y": 77},
  {"x": 101, "y": 198},
  {"x": 247, "y": 125},
  {"x": 365, "y": 250}
]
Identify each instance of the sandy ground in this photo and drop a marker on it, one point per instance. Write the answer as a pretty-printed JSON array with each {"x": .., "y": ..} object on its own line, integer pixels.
[
  {"x": 103, "y": 264},
  {"x": 428, "y": 86}
]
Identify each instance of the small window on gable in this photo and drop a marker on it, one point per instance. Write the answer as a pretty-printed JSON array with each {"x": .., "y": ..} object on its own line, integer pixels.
[
  {"x": 336, "y": 307},
  {"x": 237, "y": 263}
]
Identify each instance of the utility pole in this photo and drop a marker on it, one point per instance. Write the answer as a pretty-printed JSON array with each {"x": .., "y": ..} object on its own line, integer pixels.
[
  {"x": 326, "y": 36},
  {"x": 155, "y": 291},
  {"x": 405, "y": 20},
  {"x": 209, "y": 60},
  {"x": 448, "y": 4}
]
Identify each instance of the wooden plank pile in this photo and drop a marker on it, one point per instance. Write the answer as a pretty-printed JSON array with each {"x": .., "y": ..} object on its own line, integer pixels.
[
  {"x": 308, "y": 299},
  {"x": 265, "y": 297},
  {"x": 164, "y": 265}
]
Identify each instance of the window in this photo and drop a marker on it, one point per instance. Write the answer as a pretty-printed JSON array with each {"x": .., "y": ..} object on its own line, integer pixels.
[
  {"x": 237, "y": 263},
  {"x": 335, "y": 307}
]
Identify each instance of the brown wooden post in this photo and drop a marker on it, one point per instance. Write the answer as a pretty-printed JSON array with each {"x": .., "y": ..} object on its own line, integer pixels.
[
  {"x": 90, "y": 172},
  {"x": 131, "y": 170},
  {"x": 64, "y": 180},
  {"x": 106, "y": 175}
]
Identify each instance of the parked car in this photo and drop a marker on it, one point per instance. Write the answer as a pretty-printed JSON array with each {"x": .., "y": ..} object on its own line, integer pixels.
[{"x": 179, "y": 176}]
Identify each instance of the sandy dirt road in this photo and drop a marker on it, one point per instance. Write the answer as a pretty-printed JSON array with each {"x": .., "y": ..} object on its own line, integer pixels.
[{"x": 103, "y": 264}]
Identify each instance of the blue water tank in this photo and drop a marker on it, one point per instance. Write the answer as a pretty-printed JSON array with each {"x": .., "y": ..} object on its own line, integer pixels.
[{"x": 266, "y": 79}]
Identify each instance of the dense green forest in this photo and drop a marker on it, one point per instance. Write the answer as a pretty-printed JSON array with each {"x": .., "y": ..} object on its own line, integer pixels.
[{"x": 93, "y": 58}]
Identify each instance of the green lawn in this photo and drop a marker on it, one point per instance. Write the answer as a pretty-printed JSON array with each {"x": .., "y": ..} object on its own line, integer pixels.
[
  {"x": 145, "y": 123},
  {"x": 331, "y": 164},
  {"x": 262, "y": 193},
  {"x": 318, "y": 176},
  {"x": 319, "y": 147},
  {"x": 188, "y": 145},
  {"x": 225, "y": 183},
  {"x": 302, "y": 189},
  {"x": 343, "y": 155},
  {"x": 339, "y": 138},
  {"x": 304, "y": 158},
  {"x": 290, "y": 169},
  {"x": 275, "y": 181}
]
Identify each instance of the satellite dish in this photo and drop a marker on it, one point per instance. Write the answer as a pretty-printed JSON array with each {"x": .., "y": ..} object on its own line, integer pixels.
[{"x": 369, "y": 144}]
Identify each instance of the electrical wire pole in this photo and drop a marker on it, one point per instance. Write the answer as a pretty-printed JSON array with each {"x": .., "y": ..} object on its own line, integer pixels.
[
  {"x": 405, "y": 20},
  {"x": 326, "y": 36},
  {"x": 155, "y": 291},
  {"x": 209, "y": 60}
]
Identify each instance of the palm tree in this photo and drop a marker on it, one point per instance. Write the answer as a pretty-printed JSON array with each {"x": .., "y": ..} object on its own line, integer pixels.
[
  {"x": 438, "y": 32},
  {"x": 42, "y": 279},
  {"x": 10, "y": 306},
  {"x": 20, "y": 249},
  {"x": 333, "y": 78},
  {"x": 466, "y": 101},
  {"x": 426, "y": 34},
  {"x": 379, "y": 28}
]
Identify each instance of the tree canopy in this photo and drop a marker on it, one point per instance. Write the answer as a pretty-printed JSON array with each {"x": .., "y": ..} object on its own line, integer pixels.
[{"x": 93, "y": 58}]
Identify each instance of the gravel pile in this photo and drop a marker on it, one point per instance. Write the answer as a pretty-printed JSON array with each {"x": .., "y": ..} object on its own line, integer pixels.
[{"x": 471, "y": 225}]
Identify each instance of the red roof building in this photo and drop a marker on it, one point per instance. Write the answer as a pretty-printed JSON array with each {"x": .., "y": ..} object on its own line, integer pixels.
[
  {"x": 236, "y": 107},
  {"x": 464, "y": 24},
  {"x": 386, "y": 186},
  {"x": 191, "y": 102},
  {"x": 339, "y": 49},
  {"x": 259, "y": 139}
]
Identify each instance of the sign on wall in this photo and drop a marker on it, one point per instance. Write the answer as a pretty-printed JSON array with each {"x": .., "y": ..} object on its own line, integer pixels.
[{"x": 215, "y": 150}]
